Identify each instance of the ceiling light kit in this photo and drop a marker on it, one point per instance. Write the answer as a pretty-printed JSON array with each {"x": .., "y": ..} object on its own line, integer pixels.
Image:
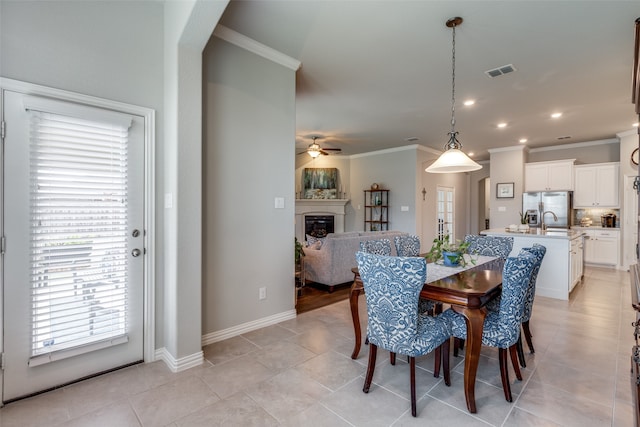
[
  {"x": 314, "y": 150},
  {"x": 453, "y": 159}
]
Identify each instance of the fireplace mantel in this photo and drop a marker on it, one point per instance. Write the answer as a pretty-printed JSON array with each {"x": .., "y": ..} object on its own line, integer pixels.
[{"x": 335, "y": 207}]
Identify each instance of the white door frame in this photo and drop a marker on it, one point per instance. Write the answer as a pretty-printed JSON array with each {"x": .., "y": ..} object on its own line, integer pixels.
[{"x": 149, "y": 194}]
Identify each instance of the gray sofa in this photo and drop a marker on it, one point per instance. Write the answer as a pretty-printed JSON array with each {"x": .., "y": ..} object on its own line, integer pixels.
[{"x": 331, "y": 264}]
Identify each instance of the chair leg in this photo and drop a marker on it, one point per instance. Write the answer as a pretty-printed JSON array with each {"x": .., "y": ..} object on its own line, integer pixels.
[
  {"x": 523, "y": 362},
  {"x": 527, "y": 336},
  {"x": 445, "y": 362},
  {"x": 412, "y": 370},
  {"x": 513, "y": 352},
  {"x": 456, "y": 345},
  {"x": 504, "y": 374},
  {"x": 436, "y": 363},
  {"x": 373, "y": 350},
  {"x": 392, "y": 358}
]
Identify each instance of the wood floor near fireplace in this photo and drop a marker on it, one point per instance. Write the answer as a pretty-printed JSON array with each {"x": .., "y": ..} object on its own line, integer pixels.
[{"x": 310, "y": 297}]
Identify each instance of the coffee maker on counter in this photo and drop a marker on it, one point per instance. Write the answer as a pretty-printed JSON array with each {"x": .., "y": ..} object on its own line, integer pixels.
[{"x": 608, "y": 220}]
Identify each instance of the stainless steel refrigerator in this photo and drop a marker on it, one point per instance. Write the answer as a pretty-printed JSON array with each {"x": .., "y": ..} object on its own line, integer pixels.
[{"x": 557, "y": 202}]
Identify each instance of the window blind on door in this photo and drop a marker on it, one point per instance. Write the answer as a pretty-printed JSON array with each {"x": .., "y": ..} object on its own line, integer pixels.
[{"x": 78, "y": 235}]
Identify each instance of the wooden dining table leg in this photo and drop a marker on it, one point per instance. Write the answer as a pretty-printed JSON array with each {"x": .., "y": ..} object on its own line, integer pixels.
[
  {"x": 475, "y": 323},
  {"x": 356, "y": 290}
]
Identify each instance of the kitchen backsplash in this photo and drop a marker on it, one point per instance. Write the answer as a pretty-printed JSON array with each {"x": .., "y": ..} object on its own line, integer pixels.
[{"x": 594, "y": 215}]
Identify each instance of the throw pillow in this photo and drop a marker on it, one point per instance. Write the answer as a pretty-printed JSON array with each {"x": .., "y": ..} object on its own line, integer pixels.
[{"x": 315, "y": 242}]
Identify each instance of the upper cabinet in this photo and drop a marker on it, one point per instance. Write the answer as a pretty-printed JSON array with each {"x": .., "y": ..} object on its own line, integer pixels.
[
  {"x": 596, "y": 185},
  {"x": 549, "y": 176}
]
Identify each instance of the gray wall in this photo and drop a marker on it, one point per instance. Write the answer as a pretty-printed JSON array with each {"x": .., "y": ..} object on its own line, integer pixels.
[
  {"x": 248, "y": 160},
  {"x": 507, "y": 165},
  {"x": 74, "y": 46},
  {"x": 393, "y": 170},
  {"x": 584, "y": 152}
]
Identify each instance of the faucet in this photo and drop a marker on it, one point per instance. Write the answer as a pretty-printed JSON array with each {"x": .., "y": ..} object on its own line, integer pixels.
[{"x": 555, "y": 218}]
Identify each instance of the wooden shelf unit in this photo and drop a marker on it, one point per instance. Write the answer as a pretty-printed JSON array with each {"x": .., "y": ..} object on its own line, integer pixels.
[{"x": 376, "y": 210}]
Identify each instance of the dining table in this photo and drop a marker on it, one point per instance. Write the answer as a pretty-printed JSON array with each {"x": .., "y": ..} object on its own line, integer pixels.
[{"x": 467, "y": 289}]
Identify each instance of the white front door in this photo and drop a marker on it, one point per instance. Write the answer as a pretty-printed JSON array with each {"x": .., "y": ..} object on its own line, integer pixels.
[
  {"x": 445, "y": 213},
  {"x": 73, "y": 212}
]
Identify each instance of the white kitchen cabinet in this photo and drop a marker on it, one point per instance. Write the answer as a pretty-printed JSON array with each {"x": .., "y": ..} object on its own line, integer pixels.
[
  {"x": 602, "y": 246},
  {"x": 577, "y": 261},
  {"x": 549, "y": 176},
  {"x": 596, "y": 186}
]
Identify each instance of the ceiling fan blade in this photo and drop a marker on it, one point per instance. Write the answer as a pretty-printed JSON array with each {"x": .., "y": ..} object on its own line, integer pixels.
[
  {"x": 324, "y": 153},
  {"x": 332, "y": 149}
]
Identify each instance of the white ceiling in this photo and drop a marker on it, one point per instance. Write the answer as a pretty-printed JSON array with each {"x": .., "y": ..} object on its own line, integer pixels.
[{"x": 376, "y": 72}]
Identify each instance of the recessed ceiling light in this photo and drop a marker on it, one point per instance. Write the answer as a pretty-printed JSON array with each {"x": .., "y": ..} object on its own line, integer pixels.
[
  {"x": 556, "y": 115},
  {"x": 635, "y": 124},
  {"x": 469, "y": 102},
  {"x": 471, "y": 154},
  {"x": 502, "y": 125},
  {"x": 523, "y": 140}
]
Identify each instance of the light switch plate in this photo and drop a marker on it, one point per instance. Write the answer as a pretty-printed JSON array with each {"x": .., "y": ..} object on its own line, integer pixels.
[
  {"x": 502, "y": 208},
  {"x": 279, "y": 202},
  {"x": 404, "y": 208},
  {"x": 168, "y": 200}
]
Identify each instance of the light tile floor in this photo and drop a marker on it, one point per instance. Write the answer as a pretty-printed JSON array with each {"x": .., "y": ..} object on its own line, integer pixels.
[{"x": 299, "y": 373}]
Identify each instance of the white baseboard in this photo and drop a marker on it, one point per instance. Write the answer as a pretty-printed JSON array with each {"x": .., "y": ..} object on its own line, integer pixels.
[
  {"x": 196, "y": 359},
  {"x": 181, "y": 364},
  {"x": 247, "y": 327}
]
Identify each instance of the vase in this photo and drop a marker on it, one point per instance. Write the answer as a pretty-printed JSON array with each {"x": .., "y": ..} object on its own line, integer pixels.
[{"x": 451, "y": 259}]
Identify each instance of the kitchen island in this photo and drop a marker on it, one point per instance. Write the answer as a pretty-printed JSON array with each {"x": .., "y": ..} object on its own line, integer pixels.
[{"x": 562, "y": 266}]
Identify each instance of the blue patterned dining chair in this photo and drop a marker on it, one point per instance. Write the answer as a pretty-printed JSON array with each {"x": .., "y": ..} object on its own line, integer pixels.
[
  {"x": 502, "y": 328},
  {"x": 410, "y": 246},
  {"x": 377, "y": 247},
  {"x": 538, "y": 251},
  {"x": 498, "y": 246},
  {"x": 392, "y": 288},
  {"x": 407, "y": 245}
]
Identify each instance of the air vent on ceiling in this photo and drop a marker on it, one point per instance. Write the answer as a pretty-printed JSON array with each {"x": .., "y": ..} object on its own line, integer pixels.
[
  {"x": 563, "y": 137},
  {"x": 505, "y": 69},
  {"x": 411, "y": 139}
]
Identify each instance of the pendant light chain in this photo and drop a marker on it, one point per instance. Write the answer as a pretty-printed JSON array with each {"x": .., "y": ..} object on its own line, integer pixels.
[{"x": 453, "y": 80}]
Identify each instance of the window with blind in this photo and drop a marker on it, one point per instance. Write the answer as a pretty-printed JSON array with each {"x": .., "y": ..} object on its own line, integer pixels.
[{"x": 78, "y": 241}]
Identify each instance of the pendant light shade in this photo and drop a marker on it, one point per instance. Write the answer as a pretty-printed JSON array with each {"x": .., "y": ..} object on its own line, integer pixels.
[{"x": 453, "y": 159}]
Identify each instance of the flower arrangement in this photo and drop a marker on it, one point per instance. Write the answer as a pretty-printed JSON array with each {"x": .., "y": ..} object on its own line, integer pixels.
[{"x": 451, "y": 253}]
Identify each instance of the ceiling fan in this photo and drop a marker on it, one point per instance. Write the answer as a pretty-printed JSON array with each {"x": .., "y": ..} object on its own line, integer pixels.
[{"x": 314, "y": 150}]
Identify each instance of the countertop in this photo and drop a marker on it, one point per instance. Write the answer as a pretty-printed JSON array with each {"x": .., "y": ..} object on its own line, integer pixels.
[{"x": 536, "y": 232}]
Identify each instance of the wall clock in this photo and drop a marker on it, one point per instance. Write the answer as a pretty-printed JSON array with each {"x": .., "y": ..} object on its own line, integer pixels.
[{"x": 634, "y": 157}]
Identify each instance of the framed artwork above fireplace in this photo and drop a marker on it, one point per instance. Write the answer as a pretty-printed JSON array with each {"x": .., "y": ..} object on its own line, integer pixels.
[{"x": 320, "y": 183}]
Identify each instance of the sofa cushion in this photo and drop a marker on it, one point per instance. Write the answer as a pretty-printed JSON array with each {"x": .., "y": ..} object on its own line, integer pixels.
[{"x": 315, "y": 242}]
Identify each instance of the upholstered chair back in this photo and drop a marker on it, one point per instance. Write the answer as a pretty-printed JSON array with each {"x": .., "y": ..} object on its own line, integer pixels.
[
  {"x": 498, "y": 246},
  {"x": 376, "y": 247},
  {"x": 515, "y": 282},
  {"x": 392, "y": 287},
  {"x": 407, "y": 245},
  {"x": 538, "y": 251}
]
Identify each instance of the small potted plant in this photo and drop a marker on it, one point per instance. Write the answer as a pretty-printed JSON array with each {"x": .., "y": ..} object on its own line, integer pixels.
[
  {"x": 524, "y": 222},
  {"x": 298, "y": 251},
  {"x": 451, "y": 253}
]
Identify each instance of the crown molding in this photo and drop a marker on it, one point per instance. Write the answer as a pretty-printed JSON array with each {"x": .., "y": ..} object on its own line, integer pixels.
[
  {"x": 576, "y": 145},
  {"x": 634, "y": 131},
  {"x": 512, "y": 148},
  {"x": 395, "y": 150},
  {"x": 244, "y": 42}
]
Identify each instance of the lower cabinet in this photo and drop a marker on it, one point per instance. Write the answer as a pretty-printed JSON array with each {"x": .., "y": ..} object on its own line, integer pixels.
[
  {"x": 602, "y": 247},
  {"x": 577, "y": 261}
]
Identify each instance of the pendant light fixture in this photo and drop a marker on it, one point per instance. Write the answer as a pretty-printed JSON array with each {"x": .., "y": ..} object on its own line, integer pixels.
[{"x": 453, "y": 159}]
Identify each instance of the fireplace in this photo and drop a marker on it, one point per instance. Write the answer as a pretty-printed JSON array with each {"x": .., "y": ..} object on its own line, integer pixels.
[
  {"x": 334, "y": 208},
  {"x": 318, "y": 225}
]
